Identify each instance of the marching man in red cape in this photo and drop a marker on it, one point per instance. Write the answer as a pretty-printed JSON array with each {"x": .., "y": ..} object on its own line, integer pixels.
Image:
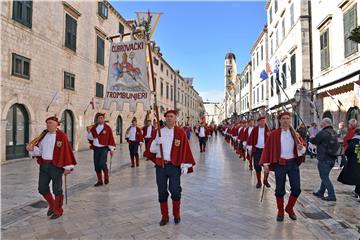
[
  {"x": 255, "y": 146},
  {"x": 203, "y": 134},
  {"x": 241, "y": 139},
  {"x": 149, "y": 133},
  {"x": 101, "y": 138},
  {"x": 247, "y": 133},
  {"x": 283, "y": 153},
  {"x": 134, "y": 137},
  {"x": 178, "y": 160},
  {"x": 55, "y": 157}
]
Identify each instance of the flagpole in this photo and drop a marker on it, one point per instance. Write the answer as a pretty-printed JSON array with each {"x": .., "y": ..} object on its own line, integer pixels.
[
  {"x": 155, "y": 99},
  {"x": 47, "y": 108}
]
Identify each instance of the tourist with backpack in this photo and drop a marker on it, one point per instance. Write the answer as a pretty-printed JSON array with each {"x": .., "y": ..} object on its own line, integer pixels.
[{"x": 327, "y": 149}]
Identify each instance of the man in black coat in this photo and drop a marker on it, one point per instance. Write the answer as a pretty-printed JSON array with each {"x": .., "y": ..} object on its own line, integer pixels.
[
  {"x": 325, "y": 161},
  {"x": 350, "y": 175}
]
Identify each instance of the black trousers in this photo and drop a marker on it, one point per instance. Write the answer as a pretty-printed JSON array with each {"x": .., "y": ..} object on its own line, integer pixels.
[
  {"x": 293, "y": 172},
  {"x": 147, "y": 140},
  {"x": 133, "y": 149},
  {"x": 100, "y": 158},
  {"x": 202, "y": 141},
  {"x": 171, "y": 174},
  {"x": 257, "y": 156},
  {"x": 49, "y": 172}
]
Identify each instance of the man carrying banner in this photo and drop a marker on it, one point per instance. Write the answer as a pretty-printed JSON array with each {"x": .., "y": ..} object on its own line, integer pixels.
[
  {"x": 55, "y": 157},
  {"x": 283, "y": 153},
  {"x": 134, "y": 137},
  {"x": 149, "y": 133},
  {"x": 101, "y": 139},
  {"x": 255, "y": 146},
  {"x": 178, "y": 160}
]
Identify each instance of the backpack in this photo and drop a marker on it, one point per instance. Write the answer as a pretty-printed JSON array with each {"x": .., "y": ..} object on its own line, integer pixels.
[{"x": 332, "y": 144}]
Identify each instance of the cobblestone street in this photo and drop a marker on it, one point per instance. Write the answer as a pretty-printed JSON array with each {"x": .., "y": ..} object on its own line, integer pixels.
[{"x": 219, "y": 201}]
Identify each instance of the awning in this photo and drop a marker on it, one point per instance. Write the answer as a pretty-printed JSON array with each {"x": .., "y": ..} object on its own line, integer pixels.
[{"x": 339, "y": 86}]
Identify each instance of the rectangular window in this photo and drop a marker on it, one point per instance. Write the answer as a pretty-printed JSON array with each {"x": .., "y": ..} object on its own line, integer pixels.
[
  {"x": 156, "y": 61},
  {"x": 69, "y": 81},
  {"x": 292, "y": 18},
  {"x": 284, "y": 76},
  {"x": 350, "y": 22},
  {"x": 276, "y": 6},
  {"x": 262, "y": 92},
  {"x": 262, "y": 52},
  {"x": 102, "y": 10},
  {"x": 100, "y": 50},
  {"x": 70, "y": 32},
  {"x": 171, "y": 93},
  {"x": 167, "y": 72},
  {"x": 99, "y": 90},
  {"x": 324, "y": 50},
  {"x": 257, "y": 58},
  {"x": 270, "y": 15},
  {"x": 283, "y": 28},
  {"x": 277, "y": 38},
  {"x": 162, "y": 88},
  {"x": 22, "y": 12},
  {"x": 162, "y": 67},
  {"x": 253, "y": 62},
  {"x": 293, "y": 68},
  {"x": 20, "y": 66},
  {"x": 167, "y": 91},
  {"x": 121, "y": 28},
  {"x": 271, "y": 46},
  {"x": 257, "y": 95},
  {"x": 254, "y": 96}
]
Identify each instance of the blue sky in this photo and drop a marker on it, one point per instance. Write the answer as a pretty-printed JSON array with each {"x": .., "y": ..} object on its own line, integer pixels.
[{"x": 194, "y": 37}]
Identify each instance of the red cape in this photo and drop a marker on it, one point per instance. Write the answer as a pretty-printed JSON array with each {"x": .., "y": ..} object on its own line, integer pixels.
[
  {"x": 180, "y": 150},
  {"x": 349, "y": 135},
  {"x": 272, "y": 150},
  {"x": 105, "y": 137},
  {"x": 138, "y": 135},
  {"x": 253, "y": 138},
  {"x": 62, "y": 155}
]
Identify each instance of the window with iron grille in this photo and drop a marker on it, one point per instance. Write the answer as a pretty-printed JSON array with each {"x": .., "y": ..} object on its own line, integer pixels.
[
  {"x": 121, "y": 28},
  {"x": 69, "y": 81},
  {"x": 293, "y": 68},
  {"x": 20, "y": 66},
  {"x": 283, "y": 74},
  {"x": 22, "y": 12}
]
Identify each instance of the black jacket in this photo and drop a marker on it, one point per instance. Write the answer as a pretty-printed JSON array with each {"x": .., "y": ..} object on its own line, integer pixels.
[
  {"x": 350, "y": 174},
  {"x": 321, "y": 141}
]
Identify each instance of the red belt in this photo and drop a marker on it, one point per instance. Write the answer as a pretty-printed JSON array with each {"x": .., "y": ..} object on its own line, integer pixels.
[{"x": 43, "y": 161}]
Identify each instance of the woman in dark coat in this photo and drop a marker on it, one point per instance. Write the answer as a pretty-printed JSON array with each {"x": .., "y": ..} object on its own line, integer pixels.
[{"x": 350, "y": 175}]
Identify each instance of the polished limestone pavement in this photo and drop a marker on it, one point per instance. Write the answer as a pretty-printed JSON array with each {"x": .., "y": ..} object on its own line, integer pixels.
[{"x": 219, "y": 201}]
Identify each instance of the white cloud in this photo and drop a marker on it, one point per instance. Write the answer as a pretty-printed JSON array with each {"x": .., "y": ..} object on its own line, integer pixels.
[{"x": 213, "y": 96}]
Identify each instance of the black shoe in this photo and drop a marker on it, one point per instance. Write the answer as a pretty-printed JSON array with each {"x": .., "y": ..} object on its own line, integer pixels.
[
  {"x": 98, "y": 184},
  {"x": 55, "y": 216},
  {"x": 267, "y": 185},
  {"x": 106, "y": 181},
  {"x": 132, "y": 166},
  {"x": 177, "y": 220},
  {"x": 279, "y": 218},
  {"x": 258, "y": 185},
  {"x": 49, "y": 213},
  {"x": 329, "y": 199},
  {"x": 317, "y": 194},
  {"x": 163, "y": 222},
  {"x": 292, "y": 215}
]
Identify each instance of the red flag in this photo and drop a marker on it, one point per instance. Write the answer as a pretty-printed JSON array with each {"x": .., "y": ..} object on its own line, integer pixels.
[
  {"x": 92, "y": 103},
  {"x": 202, "y": 119},
  {"x": 268, "y": 68}
]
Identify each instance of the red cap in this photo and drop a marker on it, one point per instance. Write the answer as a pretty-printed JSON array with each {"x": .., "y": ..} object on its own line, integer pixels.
[
  {"x": 283, "y": 114},
  {"x": 170, "y": 111},
  {"x": 53, "y": 118},
  {"x": 260, "y": 118}
]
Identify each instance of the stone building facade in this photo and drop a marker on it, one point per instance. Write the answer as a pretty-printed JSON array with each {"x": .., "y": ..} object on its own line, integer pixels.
[{"x": 61, "y": 47}]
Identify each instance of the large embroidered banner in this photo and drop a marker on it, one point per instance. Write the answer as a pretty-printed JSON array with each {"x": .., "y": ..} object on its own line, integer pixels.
[{"x": 128, "y": 76}]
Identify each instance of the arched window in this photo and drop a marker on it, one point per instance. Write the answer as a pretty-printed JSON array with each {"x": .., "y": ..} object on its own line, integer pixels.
[
  {"x": 67, "y": 125},
  {"x": 17, "y": 132},
  {"x": 353, "y": 112}
]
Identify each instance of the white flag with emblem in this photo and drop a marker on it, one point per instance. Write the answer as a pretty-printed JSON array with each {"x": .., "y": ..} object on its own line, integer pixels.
[{"x": 357, "y": 90}]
